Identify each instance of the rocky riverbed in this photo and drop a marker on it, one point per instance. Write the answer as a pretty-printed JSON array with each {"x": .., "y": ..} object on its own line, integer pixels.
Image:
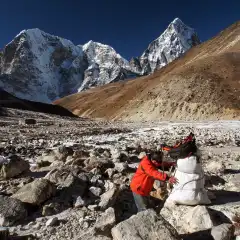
[{"x": 64, "y": 178}]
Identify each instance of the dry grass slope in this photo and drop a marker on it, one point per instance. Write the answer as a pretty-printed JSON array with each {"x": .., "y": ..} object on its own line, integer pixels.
[{"x": 202, "y": 85}]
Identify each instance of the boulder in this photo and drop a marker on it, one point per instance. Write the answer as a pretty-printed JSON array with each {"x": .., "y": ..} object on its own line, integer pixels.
[
  {"x": 36, "y": 192},
  {"x": 187, "y": 219},
  {"x": 106, "y": 221},
  {"x": 223, "y": 232},
  {"x": 108, "y": 198},
  {"x": 197, "y": 219},
  {"x": 12, "y": 167},
  {"x": 68, "y": 180},
  {"x": 91, "y": 235},
  {"x": 11, "y": 211},
  {"x": 145, "y": 225},
  {"x": 100, "y": 163}
]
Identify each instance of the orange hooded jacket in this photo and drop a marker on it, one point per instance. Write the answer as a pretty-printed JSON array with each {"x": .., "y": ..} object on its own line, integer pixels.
[{"x": 146, "y": 174}]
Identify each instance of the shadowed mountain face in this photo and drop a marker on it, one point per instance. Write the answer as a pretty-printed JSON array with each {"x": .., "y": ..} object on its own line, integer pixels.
[
  {"x": 40, "y": 67},
  {"x": 203, "y": 84},
  {"x": 9, "y": 101}
]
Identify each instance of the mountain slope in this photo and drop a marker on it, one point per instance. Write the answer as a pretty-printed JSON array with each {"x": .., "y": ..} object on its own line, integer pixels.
[
  {"x": 41, "y": 67},
  {"x": 9, "y": 101},
  {"x": 203, "y": 84}
]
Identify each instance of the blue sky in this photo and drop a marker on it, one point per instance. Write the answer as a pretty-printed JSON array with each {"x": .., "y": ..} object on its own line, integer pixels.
[{"x": 127, "y": 25}]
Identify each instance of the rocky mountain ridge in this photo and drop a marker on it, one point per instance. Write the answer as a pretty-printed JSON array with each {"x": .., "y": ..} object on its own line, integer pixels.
[{"x": 41, "y": 67}]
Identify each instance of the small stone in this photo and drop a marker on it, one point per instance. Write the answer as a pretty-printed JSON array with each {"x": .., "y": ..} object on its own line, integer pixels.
[
  {"x": 80, "y": 202},
  {"x": 92, "y": 207},
  {"x": 85, "y": 225},
  {"x": 52, "y": 221},
  {"x": 120, "y": 167},
  {"x": 95, "y": 191}
]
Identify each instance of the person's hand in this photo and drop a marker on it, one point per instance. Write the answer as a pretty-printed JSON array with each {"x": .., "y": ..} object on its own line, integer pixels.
[{"x": 173, "y": 180}]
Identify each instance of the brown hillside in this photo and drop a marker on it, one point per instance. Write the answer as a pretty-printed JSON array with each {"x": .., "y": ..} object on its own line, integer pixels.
[{"x": 204, "y": 84}]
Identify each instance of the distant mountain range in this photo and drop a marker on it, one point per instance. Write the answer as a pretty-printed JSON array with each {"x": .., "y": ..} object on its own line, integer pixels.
[{"x": 41, "y": 67}]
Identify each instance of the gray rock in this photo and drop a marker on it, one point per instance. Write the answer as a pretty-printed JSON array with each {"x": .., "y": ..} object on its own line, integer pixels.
[
  {"x": 53, "y": 208},
  {"x": 14, "y": 166},
  {"x": 145, "y": 225},
  {"x": 66, "y": 179},
  {"x": 36, "y": 192},
  {"x": 110, "y": 172},
  {"x": 92, "y": 207},
  {"x": 52, "y": 221},
  {"x": 80, "y": 202},
  {"x": 120, "y": 167},
  {"x": 197, "y": 219},
  {"x": 11, "y": 211},
  {"x": 105, "y": 222},
  {"x": 223, "y": 232},
  {"x": 108, "y": 198},
  {"x": 91, "y": 235},
  {"x": 100, "y": 163},
  {"x": 95, "y": 191}
]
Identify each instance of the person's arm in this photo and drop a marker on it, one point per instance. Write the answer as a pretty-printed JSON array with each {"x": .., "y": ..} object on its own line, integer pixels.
[{"x": 151, "y": 171}]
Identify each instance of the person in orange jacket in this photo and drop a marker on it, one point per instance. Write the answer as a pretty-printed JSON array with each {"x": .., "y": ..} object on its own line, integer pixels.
[{"x": 147, "y": 172}]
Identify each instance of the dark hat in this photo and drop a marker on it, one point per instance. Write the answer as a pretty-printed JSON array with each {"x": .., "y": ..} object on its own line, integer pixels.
[{"x": 157, "y": 156}]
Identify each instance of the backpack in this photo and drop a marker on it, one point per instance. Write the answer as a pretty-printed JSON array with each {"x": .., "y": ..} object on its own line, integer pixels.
[{"x": 183, "y": 149}]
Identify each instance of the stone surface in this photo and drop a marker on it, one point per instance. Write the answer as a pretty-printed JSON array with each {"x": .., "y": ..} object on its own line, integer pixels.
[
  {"x": 13, "y": 167},
  {"x": 223, "y": 232},
  {"x": 120, "y": 167},
  {"x": 108, "y": 198},
  {"x": 36, "y": 192},
  {"x": 80, "y": 202},
  {"x": 106, "y": 221},
  {"x": 197, "y": 219},
  {"x": 96, "y": 191},
  {"x": 145, "y": 225},
  {"x": 11, "y": 211},
  {"x": 52, "y": 221}
]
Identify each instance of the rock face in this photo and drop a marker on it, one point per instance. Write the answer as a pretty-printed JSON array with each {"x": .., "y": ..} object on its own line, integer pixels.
[
  {"x": 145, "y": 225},
  {"x": 12, "y": 167},
  {"x": 223, "y": 232},
  {"x": 106, "y": 221},
  {"x": 173, "y": 43},
  {"x": 11, "y": 211},
  {"x": 41, "y": 67},
  {"x": 36, "y": 192},
  {"x": 197, "y": 219},
  {"x": 105, "y": 65}
]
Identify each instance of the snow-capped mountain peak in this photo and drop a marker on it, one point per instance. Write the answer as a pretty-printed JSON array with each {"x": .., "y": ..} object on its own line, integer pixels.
[
  {"x": 171, "y": 44},
  {"x": 41, "y": 67}
]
